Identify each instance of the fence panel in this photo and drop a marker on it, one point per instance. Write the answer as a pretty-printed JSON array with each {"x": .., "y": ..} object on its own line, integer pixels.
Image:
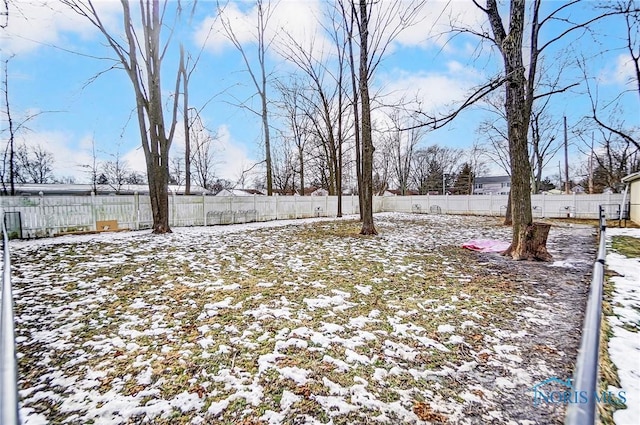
[{"x": 48, "y": 215}]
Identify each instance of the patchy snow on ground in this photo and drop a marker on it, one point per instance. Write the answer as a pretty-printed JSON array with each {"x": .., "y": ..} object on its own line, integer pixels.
[
  {"x": 291, "y": 322},
  {"x": 624, "y": 345}
]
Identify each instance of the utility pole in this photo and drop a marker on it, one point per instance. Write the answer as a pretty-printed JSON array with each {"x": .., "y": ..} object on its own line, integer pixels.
[
  {"x": 591, "y": 166},
  {"x": 559, "y": 176},
  {"x": 567, "y": 185}
]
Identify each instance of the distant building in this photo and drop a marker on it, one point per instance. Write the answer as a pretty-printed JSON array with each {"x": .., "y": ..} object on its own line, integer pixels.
[
  {"x": 318, "y": 192},
  {"x": 398, "y": 192},
  {"x": 239, "y": 192},
  {"x": 100, "y": 189},
  {"x": 577, "y": 189},
  {"x": 495, "y": 185},
  {"x": 633, "y": 180},
  {"x": 308, "y": 191}
]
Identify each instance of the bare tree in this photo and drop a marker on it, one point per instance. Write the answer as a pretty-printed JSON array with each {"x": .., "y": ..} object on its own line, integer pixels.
[
  {"x": 432, "y": 165},
  {"x": 608, "y": 116},
  {"x": 182, "y": 71},
  {"x": 93, "y": 167},
  {"x": 326, "y": 74},
  {"x": 176, "y": 170},
  {"x": 544, "y": 142},
  {"x": 296, "y": 113},
  {"x": 259, "y": 77},
  {"x": 284, "y": 167},
  {"x": 4, "y": 15},
  {"x": 401, "y": 146},
  {"x": 375, "y": 37},
  {"x": 142, "y": 57},
  {"x": 543, "y": 136},
  {"x": 14, "y": 127},
  {"x": 10, "y": 151},
  {"x": 116, "y": 171},
  {"x": 34, "y": 165},
  {"x": 203, "y": 157}
]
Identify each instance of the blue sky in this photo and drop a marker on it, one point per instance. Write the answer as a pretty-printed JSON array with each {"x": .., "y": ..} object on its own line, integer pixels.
[{"x": 55, "y": 59}]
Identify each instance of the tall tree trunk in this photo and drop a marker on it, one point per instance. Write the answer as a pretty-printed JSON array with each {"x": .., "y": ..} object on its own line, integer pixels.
[
  {"x": 267, "y": 139},
  {"x": 263, "y": 95},
  {"x": 508, "y": 221},
  {"x": 141, "y": 57},
  {"x": 12, "y": 159},
  {"x": 518, "y": 101},
  {"x": 300, "y": 153},
  {"x": 187, "y": 127},
  {"x": 356, "y": 112},
  {"x": 368, "y": 227}
]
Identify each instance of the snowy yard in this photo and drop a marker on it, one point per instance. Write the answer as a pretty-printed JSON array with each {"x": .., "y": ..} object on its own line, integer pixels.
[
  {"x": 624, "y": 342},
  {"x": 296, "y": 322}
]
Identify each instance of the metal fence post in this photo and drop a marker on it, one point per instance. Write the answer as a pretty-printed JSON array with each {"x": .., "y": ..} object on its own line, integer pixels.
[
  {"x": 586, "y": 371},
  {"x": 9, "y": 414}
]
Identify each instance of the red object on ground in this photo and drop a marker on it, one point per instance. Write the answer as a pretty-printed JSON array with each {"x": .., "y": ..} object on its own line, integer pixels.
[{"x": 486, "y": 245}]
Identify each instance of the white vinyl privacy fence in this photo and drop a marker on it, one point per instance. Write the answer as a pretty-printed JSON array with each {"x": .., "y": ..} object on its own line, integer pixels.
[{"x": 40, "y": 216}]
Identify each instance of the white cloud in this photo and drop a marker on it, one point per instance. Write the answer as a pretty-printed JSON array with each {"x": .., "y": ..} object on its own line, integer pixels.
[
  {"x": 433, "y": 21},
  {"x": 135, "y": 160},
  {"x": 234, "y": 157},
  {"x": 67, "y": 161},
  {"x": 230, "y": 156},
  {"x": 621, "y": 72},
  {"x": 34, "y": 23},
  {"x": 297, "y": 20},
  {"x": 433, "y": 90}
]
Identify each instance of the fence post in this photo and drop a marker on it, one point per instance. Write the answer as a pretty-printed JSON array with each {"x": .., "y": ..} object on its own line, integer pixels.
[
  {"x": 136, "y": 209},
  {"x": 42, "y": 215},
  {"x": 204, "y": 208},
  {"x": 295, "y": 207},
  {"x": 544, "y": 205},
  {"x": 491, "y": 204},
  {"x": 173, "y": 200},
  {"x": 255, "y": 206},
  {"x": 94, "y": 219}
]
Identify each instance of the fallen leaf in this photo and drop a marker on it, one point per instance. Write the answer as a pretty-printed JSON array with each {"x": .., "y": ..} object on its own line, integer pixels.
[{"x": 426, "y": 413}]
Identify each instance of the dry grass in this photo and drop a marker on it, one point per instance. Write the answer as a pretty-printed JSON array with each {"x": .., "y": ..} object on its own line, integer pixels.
[{"x": 158, "y": 318}]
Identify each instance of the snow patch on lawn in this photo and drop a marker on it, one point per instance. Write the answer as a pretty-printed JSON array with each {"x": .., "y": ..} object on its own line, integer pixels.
[{"x": 624, "y": 345}]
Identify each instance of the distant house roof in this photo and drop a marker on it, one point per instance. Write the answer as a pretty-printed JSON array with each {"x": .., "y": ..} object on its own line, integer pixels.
[
  {"x": 492, "y": 179},
  {"x": 239, "y": 192},
  {"x": 398, "y": 192},
  {"x": 312, "y": 190},
  {"x": 101, "y": 189},
  {"x": 631, "y": 177}
]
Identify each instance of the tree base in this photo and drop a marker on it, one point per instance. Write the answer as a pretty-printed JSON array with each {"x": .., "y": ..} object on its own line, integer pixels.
[
  {"x": 532, "y": 245},
  {"x": 368, "y": 230},
  {"x": 161, "y": 229}
]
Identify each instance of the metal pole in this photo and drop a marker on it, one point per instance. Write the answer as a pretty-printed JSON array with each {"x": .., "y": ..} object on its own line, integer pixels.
[
  {"x": 567, "y": 185},
  {"x": 586, "y": 373},
  {"x": 8, "y": 364}
]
